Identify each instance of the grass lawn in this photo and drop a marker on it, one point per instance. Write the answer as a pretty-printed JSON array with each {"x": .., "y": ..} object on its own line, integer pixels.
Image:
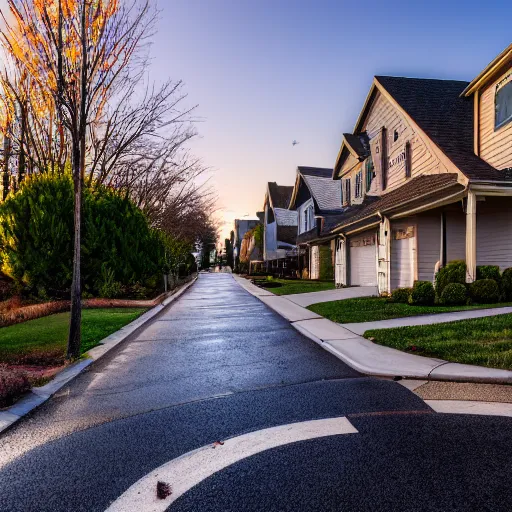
[
  {"x": 43, "y": 341},
  {"x": 372, "y": 309},
  {"x": 480, "y": 341},
  {"x": 290, "y": 286}
]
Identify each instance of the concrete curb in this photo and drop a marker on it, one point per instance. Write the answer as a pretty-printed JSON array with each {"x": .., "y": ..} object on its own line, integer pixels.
[
  {"x": 37, "y": 396},
  {"x": 367, "y": 357}
]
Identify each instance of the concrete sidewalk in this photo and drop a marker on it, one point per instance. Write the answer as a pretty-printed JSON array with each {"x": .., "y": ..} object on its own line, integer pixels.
[
  {"x": 365, "y": 356},
  {"x": 306, "y": 299},
  {"x": 361, "y": 328}
]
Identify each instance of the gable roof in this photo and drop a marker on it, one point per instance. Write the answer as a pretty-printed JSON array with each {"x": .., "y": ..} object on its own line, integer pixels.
[
  {"x": 279, "y": 195},
  {"x": 360, "y": 144},
  {"x": 447, "y": 119},
  {"x": 285, "y": 217},
  {"x": 326, "y": 192}
]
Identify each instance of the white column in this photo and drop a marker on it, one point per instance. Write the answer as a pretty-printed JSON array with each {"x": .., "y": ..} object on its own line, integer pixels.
[
  {"x": 471, "y": 237},
  {"x": 384, "y": 257}
]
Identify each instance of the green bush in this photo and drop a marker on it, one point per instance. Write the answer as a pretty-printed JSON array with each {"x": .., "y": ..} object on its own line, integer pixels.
[
  {"x": 453, "y": 272},
  {"x": 454, "y": 294},
  {"x": 119, "y": 247},
  {"x": 488, "y": 272},
  {"x": 422, "y": 294},
  {"x": 401, "y": 295},
  {"x": 506, "y": 284},
  {"x": 326, "y": 272},
  {"x": 485, "y": 291}
]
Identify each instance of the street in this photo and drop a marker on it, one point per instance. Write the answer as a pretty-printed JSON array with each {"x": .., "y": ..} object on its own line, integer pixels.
[{"x": 218, "y": 364}]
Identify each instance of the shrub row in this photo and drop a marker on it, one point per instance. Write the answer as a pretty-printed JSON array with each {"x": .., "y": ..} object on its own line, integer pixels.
[{"x": 451, "y": 287}]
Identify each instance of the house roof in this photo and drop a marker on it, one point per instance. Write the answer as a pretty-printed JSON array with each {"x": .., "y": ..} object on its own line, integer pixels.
[
  {"x": 437, "y": 108},
  {"x": 287, "y": 234},
  {"x": 502, "y": 60},
  {"x": 360, "y": 144},
  {"x": 416, "y": 192},
  {"x": 326, "y": 192},
  {"x": 285, "y": 217},
  {"x": 279, "y": 195}
]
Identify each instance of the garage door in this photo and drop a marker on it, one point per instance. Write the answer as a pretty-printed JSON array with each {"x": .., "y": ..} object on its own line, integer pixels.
[
  {"x": 402, "y": 256},
  {"x": 363, "y": 260}
]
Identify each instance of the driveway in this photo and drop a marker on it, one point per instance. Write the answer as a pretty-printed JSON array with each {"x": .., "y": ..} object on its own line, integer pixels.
[{"x": 216, "y": 366}]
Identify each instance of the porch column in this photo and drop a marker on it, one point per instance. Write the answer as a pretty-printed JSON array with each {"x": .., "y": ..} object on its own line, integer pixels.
[
  {"x": 384, "y": 257},
  {"x": 471, "y": 237}
]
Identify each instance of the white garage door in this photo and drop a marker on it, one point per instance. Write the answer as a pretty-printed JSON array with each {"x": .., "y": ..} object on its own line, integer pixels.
[
  {"x": 402, "y": 256},
  {"x": 363, "y": 260}
]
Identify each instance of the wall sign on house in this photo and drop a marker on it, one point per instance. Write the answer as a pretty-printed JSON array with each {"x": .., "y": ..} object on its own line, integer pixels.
[{"x": 402, "y": 234}]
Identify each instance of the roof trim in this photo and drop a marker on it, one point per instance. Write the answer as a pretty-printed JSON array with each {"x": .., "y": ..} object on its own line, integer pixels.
[{"x": 493, "y": 67}]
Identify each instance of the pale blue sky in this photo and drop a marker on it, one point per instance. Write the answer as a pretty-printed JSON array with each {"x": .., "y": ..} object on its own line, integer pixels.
[{"x": 267, "y": 72}]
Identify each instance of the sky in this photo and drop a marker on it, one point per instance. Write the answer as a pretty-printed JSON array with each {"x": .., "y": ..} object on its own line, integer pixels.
[{"x": 266, "y": 72}]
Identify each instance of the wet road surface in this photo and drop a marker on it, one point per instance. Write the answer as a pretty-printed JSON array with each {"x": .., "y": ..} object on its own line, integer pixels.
[{"x": 218, "y": 364}]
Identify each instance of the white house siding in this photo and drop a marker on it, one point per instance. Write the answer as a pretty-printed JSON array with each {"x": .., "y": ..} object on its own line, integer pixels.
[
  {"x": 494, "y": 232},
  {"x": 314, "y": 262},
  {"x": 403, "y": 253},
  {"x": 424, "y": 160},
  {"x": 429, "y": 244},
  {"x": 495, "y": 145},
  {"x": 455, "y": 235},
  {"x": 363, "y": 259}
]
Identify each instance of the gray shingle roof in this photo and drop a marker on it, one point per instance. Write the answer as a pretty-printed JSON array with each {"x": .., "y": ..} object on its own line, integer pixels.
[
  {"x": 280, "y": 195},
  {"x": 285, "y": 217},
  {"x": 325, "y": 191},
  {"x": 320, "y": 172}
]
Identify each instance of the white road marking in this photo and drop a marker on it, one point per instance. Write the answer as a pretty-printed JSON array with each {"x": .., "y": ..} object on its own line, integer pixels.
[
  {"x": 193, "y": 467},
  {"x": 470, "y": 407}
]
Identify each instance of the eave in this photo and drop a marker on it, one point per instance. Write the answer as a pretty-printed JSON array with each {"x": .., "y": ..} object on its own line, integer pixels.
[{"x": 493, "y": 68}]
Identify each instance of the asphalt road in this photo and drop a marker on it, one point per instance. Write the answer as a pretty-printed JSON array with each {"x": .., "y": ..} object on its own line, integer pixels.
[{"x": 218, "y": 364}]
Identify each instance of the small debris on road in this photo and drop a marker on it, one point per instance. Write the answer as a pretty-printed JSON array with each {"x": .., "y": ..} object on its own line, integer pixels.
[
  {"x": 218, "y": 443},
  {"x": 163, "y": 490}
]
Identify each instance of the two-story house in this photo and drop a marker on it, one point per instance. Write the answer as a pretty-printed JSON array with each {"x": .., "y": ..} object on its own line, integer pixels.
[
  {"x": 316, "y": 196},
  {"x": 280, "y": 230},
  {"x": 426, "y": 179}
]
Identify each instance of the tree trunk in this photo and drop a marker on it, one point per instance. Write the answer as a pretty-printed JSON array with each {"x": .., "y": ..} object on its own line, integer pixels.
[{"x": 76, "y": 301}]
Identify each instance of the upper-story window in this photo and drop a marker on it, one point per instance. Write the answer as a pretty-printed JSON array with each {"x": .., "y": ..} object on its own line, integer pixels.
[
  {"x": 308, "y": 218},
  {"x": 369, "y": 171},
  {"x": 503, "y": 102},
  {"x": 408, "y": 160},
  {"x": 346, "y": 191},
  {"x": 359, "y": 185}
]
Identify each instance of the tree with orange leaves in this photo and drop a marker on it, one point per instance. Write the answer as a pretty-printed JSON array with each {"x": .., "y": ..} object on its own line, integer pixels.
[{"x": 79, "y": 53}]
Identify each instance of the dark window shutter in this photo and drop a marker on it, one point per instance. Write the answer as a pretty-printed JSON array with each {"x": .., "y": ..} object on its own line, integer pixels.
[
  {"x": 408, "y": 160},
  {"x": 384, "y": 157}
]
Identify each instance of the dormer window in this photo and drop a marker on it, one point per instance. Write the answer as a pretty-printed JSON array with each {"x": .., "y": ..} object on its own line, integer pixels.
[{"x": 503, "y": 103}]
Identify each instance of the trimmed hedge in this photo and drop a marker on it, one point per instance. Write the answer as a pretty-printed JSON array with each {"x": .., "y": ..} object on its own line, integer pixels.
[
  {"x": 423, "y": 294},
  {"x": 488, "y": 272},
  {"x": 401, "y": 295},
  {"x": 454, "y": 294},
  {"x": 453, "y": 272},
  {"x": 326, "y": 272},
  {"x": 506, "y": 284},
  {"x": 485, "y": 291}
]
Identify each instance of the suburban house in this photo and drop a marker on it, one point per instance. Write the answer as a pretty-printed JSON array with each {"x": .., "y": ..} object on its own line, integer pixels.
[
  {"x": 280, "y": 230},
  {"x": 242, "y": 226},
  {"x": 426, "y": 178},
  {"x": 315, "y": 197}
]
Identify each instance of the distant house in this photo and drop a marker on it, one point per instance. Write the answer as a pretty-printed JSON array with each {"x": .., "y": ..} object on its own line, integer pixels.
[
  {"x": 426, "y": 178},
  {"x": 241, "y": 227},
  {"x": 280, "y": 229},
  {"x": 315, "y": 197}
]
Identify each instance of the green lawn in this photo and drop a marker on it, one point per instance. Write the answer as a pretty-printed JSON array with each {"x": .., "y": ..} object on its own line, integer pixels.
[
  {"x": 43, "y": 341},
  {"x": 290, "y": 286},
  {"x": 480, "y": 341},
  {"x": 372, "y": 309}
]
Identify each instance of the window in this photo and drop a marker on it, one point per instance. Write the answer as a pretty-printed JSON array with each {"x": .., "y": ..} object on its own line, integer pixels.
[
  {"x": 359, "y": 184},
  {"x": 384, "y": 157},
  {"x": 408, "y": 160},
  {"x": 370, "y": 172},
  {"x": 503, "y": 103},
  {"x": 395, "y": 136},
  {"x": 346, "y": 192},
  {"x": 305, "y": 220}
]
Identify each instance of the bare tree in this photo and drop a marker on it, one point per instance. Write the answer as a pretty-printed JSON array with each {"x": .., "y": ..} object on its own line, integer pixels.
[{"x": 80, "y": 52}]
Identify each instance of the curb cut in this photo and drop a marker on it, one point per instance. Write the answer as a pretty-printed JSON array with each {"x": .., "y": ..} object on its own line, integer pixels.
[
  {"x": 38, "y": 396},
  {"x": 369, "y": 358}
]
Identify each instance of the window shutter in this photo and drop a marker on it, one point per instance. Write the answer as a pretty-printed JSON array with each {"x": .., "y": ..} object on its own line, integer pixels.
[
  {"x": 369, "y": 172},
  {"x": 408, "y": 160},
  {"x": 384, "y": 157}
]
